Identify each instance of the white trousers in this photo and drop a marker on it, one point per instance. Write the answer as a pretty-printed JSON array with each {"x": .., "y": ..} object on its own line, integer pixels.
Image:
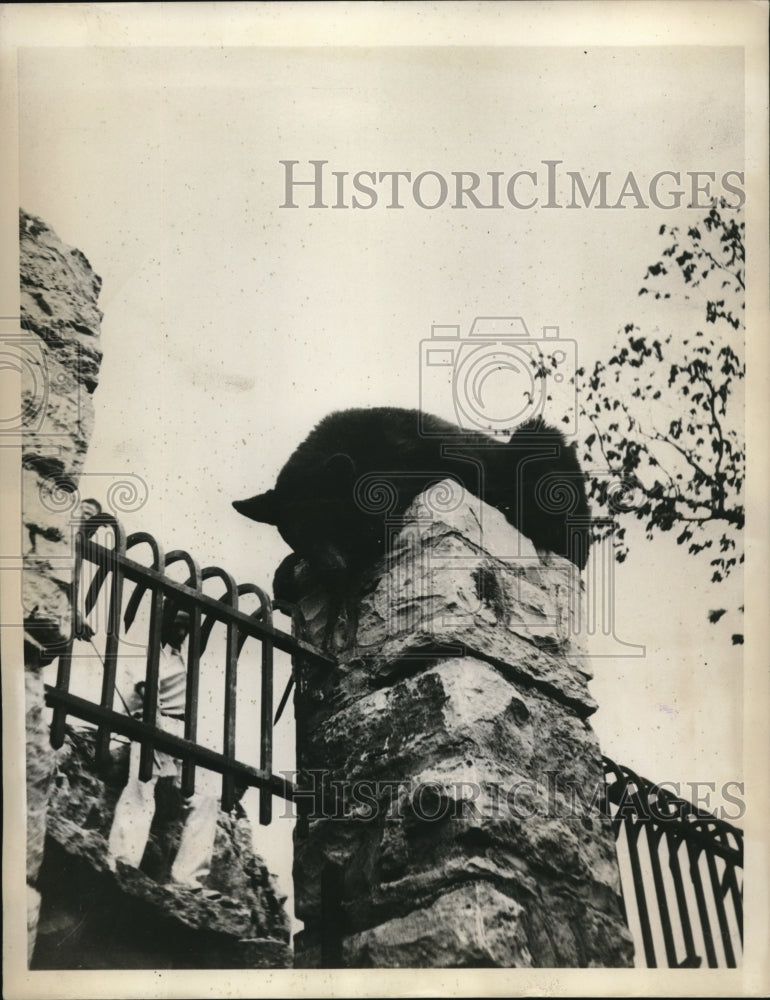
[{"x": 136, "y": 807}]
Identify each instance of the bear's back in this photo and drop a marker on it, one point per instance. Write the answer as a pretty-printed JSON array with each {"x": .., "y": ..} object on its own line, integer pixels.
[{"x": 379, "y": 439}]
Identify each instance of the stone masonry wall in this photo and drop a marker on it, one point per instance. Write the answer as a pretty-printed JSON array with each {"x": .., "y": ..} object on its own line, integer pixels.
[
  {"x": 450, "y": 770},
  {"x": 61, "y": 323}
]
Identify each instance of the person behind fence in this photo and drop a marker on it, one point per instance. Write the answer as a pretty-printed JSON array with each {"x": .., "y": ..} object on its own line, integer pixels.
[{"x": 136, "y": 806}]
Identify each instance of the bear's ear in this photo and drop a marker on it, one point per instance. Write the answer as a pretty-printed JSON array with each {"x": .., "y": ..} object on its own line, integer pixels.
[
  {"x": 262, "y": 508},
  {"x": 340, "y": 469}
]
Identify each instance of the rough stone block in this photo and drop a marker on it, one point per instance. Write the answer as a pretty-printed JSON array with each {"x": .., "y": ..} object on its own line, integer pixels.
[
  {"x": 455, "y": 819},
  {"x": 39, "y": 769},
  {"x": 239, "y": 921},
  {"x": 475, "y": 925},
  {"x": 445, "y": 588}
]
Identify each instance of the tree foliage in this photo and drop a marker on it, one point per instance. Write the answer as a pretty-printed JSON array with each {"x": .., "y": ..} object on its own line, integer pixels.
[{"x": 665, "y": 410}]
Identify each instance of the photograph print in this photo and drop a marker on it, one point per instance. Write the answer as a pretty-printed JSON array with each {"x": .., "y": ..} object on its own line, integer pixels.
[{"x": 379, "y": 477}]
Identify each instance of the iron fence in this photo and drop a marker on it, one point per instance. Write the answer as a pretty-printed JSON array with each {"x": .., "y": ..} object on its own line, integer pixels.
[
  {"x": 681, "y": 871},
  {"x": 126, "y": 583}
]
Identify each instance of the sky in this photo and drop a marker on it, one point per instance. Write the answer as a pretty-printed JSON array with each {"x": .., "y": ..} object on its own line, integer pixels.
[{"x": 232, "y": 325}]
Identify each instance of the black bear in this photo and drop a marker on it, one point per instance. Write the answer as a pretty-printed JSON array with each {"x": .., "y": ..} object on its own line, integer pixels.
[{"x": 327, "y": 504}]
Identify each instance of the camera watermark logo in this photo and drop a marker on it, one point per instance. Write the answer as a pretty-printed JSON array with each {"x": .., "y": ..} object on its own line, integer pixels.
[
  {"x": 498, "y": 376},
  {"x": 123, "y": 493},
  {"x": 24, "y": 375},
  {"x": 29, "y": 378}
]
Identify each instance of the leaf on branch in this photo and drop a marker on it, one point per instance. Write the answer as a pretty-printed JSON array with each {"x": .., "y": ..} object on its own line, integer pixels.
[{"x": 710, "y": 460}]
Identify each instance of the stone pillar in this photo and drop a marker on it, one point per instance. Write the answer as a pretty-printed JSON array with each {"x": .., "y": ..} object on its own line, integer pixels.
[
  {"x": 60, "y": 329},
  {"x": 454, "y": 820}
]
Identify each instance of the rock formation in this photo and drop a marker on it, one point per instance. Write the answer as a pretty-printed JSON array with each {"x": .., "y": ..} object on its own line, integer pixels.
[
  {"x": 94, "y": 918},
  {"x": 60, "y": 354},
  {"x": 451, "y": 778}
]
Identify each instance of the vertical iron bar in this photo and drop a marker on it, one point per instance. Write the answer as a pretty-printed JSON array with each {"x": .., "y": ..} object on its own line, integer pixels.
[
  {"x": 64, "y": 667},
  {"x": 192, "y": 679},
  {"x": 231, "y": 673},
  {"x": 700, "y": 897},
  {"x": 191, "y": 697},
  {"x": 110, "y": 652},
  {"x": 617, "y": 826},
  {"x": 266, "y": 724},
  {"x": 654, "y": 838},
  {"x": 641, "y": 900},
  {"x": 150, "y": 707},
  {"x": 730, "y": 882},
  {"x": 304, "y": 806},
  {"x": 681, "y": 898},
  {"x": 724, "y": 927}
]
